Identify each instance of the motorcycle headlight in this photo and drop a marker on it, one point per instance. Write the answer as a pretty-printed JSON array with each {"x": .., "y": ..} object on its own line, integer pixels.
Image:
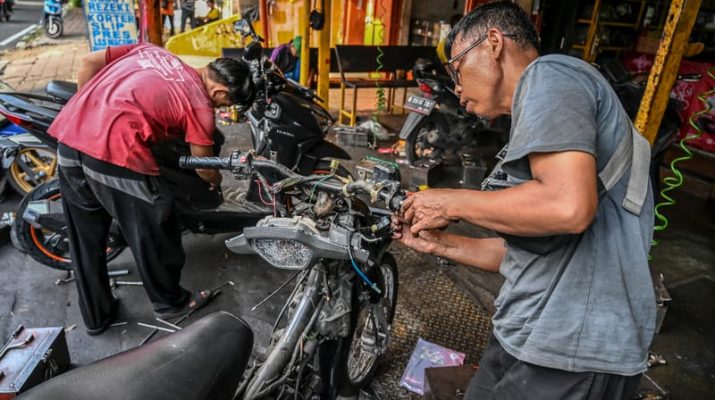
[{"x": 284, "y": 254}]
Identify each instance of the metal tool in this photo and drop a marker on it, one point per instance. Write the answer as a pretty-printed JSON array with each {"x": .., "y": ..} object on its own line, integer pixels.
[
  {"x": 227, "y": 283},
  {"x": 15, "y": 334},
  {"x": 18, "y": 345},
  {"x": 156, "y": 327},
  {"x": 68, "y": 279},
  {"x": 177, "y": 327},
  {"x": 115, "y": 283},
  {"x": 118, "y": 272},
  {"x": 213, "y": 294}
]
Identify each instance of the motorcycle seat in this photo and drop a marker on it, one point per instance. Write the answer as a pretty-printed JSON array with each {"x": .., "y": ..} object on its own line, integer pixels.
[
  {"x": 61, "y": 89},
  {"x": 203, "y": 361}
]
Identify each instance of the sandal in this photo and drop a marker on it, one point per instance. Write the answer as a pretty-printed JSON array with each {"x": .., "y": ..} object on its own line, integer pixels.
[{"x": 198, "y": 300}]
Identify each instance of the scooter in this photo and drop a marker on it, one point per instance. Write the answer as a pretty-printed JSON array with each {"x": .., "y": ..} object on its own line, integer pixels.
[
  {"x": 52, "y": 18},
  {"x": 286, "y": 126},
  {"x": 439, "y": 130},
  {"x": 329, "y": 336}
]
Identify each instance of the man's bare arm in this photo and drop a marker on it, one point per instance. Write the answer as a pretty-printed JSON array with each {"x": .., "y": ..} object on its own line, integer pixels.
[
  {"x": 91, "y": 64},
  {"x": 561, "y": 198}
]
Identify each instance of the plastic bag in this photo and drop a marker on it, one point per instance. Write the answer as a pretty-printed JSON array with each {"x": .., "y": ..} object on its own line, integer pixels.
[{"x": 427, "y": 355}]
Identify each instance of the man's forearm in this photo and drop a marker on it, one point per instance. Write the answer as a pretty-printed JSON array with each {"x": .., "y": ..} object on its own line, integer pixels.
[
  {"x": 483, "y": 253},
  {"x": 91, "y": 64}
]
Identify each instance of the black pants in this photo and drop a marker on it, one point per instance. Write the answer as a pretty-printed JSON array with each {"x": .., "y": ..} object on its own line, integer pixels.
[
  {"x": 95, "y": 192},
  {"x": 187, "y": 15},
  {"x": 171, "y": 22},
  {"x": 501, "y": 376}
]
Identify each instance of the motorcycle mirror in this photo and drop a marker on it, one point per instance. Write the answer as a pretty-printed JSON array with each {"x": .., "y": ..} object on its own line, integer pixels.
[{"x": 253, "y": 51}]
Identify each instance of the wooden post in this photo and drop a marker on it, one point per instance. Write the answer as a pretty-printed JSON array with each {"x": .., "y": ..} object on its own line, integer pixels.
[
  {"x": 664, "y": 72},
  {"x": 324, "y": 58},
  {"x": 305, "y": 42},
  {"x": 263, "y": 16},
  {"x": 153, "y": 17}
]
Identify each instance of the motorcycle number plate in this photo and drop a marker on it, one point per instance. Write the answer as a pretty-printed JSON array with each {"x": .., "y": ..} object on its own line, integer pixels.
[{"x": 419, "y": 105}]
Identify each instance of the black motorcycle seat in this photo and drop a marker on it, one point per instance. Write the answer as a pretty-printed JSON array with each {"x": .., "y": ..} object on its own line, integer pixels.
[
  {"x": 61, "y": 89},
  {"x": 204, "y": 361}
]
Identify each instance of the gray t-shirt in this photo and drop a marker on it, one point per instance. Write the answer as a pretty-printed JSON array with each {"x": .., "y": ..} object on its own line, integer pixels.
[{"x": 587, "y": 305}]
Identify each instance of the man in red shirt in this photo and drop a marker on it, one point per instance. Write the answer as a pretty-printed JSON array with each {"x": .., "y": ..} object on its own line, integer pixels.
[{"x": 131, "y": 98}]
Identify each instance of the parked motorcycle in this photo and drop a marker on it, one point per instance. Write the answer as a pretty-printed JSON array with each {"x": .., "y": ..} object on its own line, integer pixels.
[
  {"x": 340, "y": 311},
  {"x": 439, "y": 129},
  {"x": 331, "y": 332},
  {"x": 52, "y": 18},
  {"x": 25, "y": 162},
  {"x": 287, "y": 125}
]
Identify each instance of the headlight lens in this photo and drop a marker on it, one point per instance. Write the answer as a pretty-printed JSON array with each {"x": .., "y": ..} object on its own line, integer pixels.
[{"x": 284, "y": 254}]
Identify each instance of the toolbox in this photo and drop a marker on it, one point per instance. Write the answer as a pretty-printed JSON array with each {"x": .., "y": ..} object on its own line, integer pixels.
[{"x": 24, "y": 367}]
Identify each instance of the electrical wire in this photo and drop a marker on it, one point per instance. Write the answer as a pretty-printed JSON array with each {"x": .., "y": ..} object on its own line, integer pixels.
[
  {"x": 357, "y": 269},
  {"x": 676, "y": 181}
]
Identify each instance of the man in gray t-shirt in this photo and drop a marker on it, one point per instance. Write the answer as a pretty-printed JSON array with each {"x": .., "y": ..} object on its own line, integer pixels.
[{"x": 576, "y": 314}]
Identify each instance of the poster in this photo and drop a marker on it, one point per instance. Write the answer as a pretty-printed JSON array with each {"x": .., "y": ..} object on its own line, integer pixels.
[{"x": 110, "y": 23}]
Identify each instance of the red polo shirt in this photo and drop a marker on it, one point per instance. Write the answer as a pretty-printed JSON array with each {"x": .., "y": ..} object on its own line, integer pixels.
[{"x": 143, "y": 96}]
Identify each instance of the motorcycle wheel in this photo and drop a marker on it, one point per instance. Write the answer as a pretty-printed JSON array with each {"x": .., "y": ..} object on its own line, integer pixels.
[
  {"x": 53, "y": 27},
  {"x": 46, "y": 246},
  {"x": 361, "y": 358},
  {"x": 417, "y": 148},
  {"x": 41, "y": 161}
]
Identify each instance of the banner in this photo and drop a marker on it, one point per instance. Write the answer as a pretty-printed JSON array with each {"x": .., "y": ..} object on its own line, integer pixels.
[{"x": 110, "y": 23}]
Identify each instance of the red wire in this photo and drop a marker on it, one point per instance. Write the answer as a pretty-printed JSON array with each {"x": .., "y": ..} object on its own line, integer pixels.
[{"x": 260, "y": 194}]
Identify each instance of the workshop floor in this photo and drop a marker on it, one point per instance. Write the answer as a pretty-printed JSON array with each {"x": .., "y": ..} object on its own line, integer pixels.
[{"x": 432, "y": 304}]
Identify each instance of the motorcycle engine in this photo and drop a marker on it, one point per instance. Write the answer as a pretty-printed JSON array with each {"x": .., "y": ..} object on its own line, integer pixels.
[{"x": 334, "y": 321}]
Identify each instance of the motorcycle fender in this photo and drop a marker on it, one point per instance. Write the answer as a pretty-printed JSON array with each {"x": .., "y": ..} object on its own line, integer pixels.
[
  {"x": 326, "y": 149},
  {"x": 411, "y": 122}
]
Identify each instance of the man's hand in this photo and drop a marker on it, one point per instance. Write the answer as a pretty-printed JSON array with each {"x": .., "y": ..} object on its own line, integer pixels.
[
  {"x": 428, "y": 209},
  {"x": 211, "y": 176},
  {"x": 426, "y": 241}
]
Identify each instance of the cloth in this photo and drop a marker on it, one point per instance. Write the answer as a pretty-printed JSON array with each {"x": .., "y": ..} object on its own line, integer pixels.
[
  {"x": 145, "y": 95},
  {"x": 167, "y": 7},
  {"x": 213, "y": 15},
  {"x": 189, "y": 5},
  {"x": 501, "y": 376},
  {"x": 587, "y": 305},
  {"x": 283, "y": 58},
  {"x": 95, "y": 192}
]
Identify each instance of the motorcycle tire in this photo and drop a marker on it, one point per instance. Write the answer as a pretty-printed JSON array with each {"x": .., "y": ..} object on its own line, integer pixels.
[
  {"x": 41, "y": 161},
  {"x": 47, "y": 247},
  {"x": 54, "y": 27},
  {"x": 360, "y": 364},
  {"x": 415, "y": 141}
]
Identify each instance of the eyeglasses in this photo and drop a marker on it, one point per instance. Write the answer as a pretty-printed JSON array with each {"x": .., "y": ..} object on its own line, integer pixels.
[{"x": 454, "y": 72}]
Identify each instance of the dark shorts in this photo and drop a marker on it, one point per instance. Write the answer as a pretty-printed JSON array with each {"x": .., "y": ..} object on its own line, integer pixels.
[{"x": 501, "y": 376}]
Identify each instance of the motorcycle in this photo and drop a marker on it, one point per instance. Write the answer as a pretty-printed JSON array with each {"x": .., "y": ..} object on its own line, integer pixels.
[
  {"x": 25, "y": 161},
  {"x": 52, "y": 18},
  {"x": 287, "y": 125},
  {"x": 330, "y": 334},
  {"x": 439, "y": 129}
]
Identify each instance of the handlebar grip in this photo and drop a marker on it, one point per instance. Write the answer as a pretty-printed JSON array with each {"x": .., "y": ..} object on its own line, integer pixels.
[{"x": 190, "y": 162}]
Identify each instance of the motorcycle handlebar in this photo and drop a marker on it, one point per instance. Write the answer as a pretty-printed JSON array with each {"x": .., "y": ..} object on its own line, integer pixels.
[
  {"x": 190, "y": 162},
  {"x": 393, "y": 200}
]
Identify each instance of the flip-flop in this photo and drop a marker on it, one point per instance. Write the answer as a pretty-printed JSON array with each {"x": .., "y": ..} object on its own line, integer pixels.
[{"x": 198, "y": 300}]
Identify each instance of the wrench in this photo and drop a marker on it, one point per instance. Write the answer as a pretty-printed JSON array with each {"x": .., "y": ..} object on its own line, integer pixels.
[
  {"x": 24, "y": 343},
  {"x": 15, "y": 334}
]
